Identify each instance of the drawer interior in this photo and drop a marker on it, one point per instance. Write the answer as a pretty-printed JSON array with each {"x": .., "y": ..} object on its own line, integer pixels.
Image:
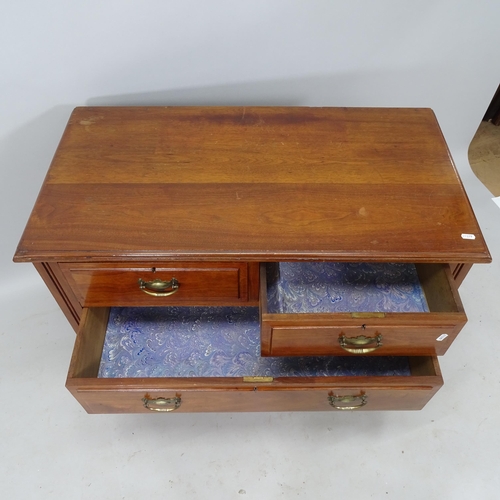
[
  {"x": 208, "y": 359},
  {"x": 205, "y": 342},
  {"x": 213, "y": 342},
  {"x": 338, "y": 287}
]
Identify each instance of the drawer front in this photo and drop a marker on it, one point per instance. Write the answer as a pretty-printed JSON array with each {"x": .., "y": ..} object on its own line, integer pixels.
[
  {"x": 376, "y": 337},
  {"x": 219, "y": 394},
  {"x": 379, "y": 334},
  {"x": 161, "y": 284},
  {"x": 143, "y": 396}
]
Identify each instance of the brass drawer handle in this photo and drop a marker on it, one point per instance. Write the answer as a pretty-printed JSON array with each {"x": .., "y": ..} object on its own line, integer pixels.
[
  {"x": 162, "y": 404},
  {"x": 338, "y": 401},
  {"x": 158, "y": 288},
  {"x": 360, "y": 343}
]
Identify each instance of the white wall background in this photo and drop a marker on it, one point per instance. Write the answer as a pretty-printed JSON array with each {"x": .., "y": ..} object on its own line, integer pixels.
[{"x": 55, "y": 55}]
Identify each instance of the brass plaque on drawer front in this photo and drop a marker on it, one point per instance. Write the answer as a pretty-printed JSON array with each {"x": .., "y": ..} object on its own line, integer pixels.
[
  {"x": 258, "y": 379},
  {"x": 367, "y": 315}
]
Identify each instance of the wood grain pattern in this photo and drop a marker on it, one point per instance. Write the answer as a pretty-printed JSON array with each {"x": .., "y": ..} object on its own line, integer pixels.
[
  {"x": 220, "y": 394},
  {"x": 200, "y": 283},
  {"x": 89, "y": 343},
  {"x": 234, "y": 187},
  {"x": 459, "y": 272},
  {"x": 412, "y": 393},
  {"x": 61, "y": 291},
  {"x": 404, "y": 334},
  {"x": 253, "y": 184}
]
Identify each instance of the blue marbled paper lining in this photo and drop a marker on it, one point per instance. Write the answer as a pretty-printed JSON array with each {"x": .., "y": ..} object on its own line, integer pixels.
[
  {"x": 299, "y": 287},
  {"x": 213, "y": 342}
]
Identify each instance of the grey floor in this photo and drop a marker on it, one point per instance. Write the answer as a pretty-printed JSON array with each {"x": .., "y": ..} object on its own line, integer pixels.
[{"x": 50, "y": 448}]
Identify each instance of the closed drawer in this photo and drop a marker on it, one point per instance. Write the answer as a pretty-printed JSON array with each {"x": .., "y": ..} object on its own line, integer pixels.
[
  {"x": 160, "y": 284},
  {"x": 430, "y": 313},
  {"x": 208, "y": 360}
]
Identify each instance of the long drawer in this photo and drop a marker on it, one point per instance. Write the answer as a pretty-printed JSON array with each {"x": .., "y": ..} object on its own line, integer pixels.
[
  {"x": 161, "y": 284},
  {"x": 308, "y": 385},
  {"x": 352, "y": 333}
]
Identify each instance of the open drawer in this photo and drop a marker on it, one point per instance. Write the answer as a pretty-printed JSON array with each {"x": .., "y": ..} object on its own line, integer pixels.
[
  {"x": 339, "y": 309},
  {"x": 207, "y": 359}
]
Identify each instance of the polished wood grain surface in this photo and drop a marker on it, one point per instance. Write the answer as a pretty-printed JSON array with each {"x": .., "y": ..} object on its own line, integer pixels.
[
  {"x": 199, "y": 283},
  {"x": 210, "y": 193},
  {"x": 253, "y": 184},
  {"x": 220, "y": 394},
  {"x": 403, "y": 334},
  {"x": 61, "y": 291},
  {"x": 111, "y": 396}
]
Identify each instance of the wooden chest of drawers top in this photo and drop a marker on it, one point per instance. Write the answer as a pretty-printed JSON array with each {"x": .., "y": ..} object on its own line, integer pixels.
[{"x": 252, "y": 184}]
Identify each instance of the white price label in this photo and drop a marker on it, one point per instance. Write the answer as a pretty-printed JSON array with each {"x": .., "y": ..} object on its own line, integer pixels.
[
  {"x": 467, "y": 236},
  {"x": 442, "y": 337}
]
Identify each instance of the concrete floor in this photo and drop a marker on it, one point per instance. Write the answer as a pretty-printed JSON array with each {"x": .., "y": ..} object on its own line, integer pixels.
[{"x": 50, "y": 448}]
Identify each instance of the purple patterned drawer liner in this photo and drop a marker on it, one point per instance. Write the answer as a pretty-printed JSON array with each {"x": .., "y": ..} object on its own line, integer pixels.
[
  {"x": 213, "y": 342},
  {"x": 300, "y": 287}
]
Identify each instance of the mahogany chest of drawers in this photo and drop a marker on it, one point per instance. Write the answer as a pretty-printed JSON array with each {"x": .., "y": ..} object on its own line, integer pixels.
[{"x": 221, "y": 258}]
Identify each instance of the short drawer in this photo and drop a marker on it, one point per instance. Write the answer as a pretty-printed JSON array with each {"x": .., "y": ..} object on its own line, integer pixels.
[
  {"x": 144, "y": 360},
  {"x": 160, "y": 284},
  {"x": 294, "y": 329}
]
